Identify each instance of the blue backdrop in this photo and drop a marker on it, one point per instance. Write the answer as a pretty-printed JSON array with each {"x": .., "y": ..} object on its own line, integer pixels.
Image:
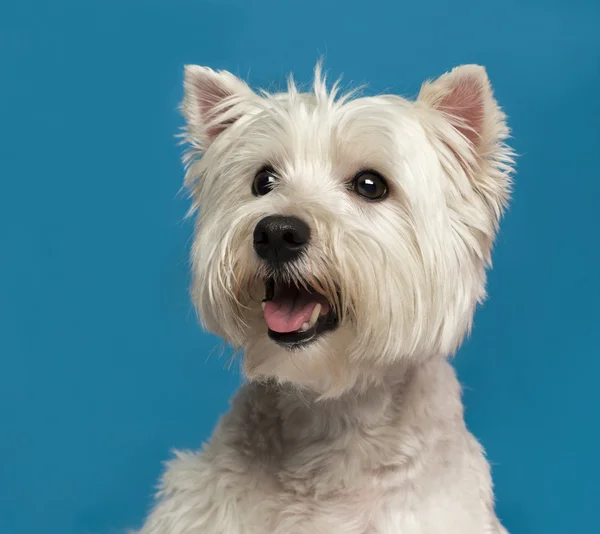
[{"x": 102, "y": 366}]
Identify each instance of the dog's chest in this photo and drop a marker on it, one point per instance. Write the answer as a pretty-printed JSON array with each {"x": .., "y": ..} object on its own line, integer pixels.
[
  {"x": 351, "y": 513},
  {"x": 366, "y": 511},
  {"x": 334, "y": 470},
  {"x": 322, "y": 474},
  {"x": 333, "y": 492}
]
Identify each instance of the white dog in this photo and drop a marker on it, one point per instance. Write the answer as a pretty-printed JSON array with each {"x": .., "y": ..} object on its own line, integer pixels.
[{"x": 341, "y": 243}]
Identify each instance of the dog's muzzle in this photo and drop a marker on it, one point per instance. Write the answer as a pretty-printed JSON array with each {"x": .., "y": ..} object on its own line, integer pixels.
[{"x": 295, "y": 313}]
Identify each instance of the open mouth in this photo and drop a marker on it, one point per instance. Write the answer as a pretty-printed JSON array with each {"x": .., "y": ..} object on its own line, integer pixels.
[{"x": 296, "y": 315}]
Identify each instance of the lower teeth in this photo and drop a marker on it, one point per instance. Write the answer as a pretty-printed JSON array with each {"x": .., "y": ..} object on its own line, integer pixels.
[{"x": 314, "y": 317}]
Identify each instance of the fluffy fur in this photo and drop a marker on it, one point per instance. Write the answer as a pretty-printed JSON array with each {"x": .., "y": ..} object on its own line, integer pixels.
[{"x": 361, "y": 431}]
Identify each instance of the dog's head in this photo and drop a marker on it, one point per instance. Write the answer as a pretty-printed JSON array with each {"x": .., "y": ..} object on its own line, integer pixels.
[{"x": 338, "y": 236}]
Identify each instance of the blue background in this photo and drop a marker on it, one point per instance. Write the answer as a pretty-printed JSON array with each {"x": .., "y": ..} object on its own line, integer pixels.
[{"x": 102, "y": 365}]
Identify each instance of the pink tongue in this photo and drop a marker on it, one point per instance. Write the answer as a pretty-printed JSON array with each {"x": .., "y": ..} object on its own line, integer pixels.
[{"x": 288, "y": 313}]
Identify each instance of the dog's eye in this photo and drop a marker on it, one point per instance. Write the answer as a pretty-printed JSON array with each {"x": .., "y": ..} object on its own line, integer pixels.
[
  {"x": 370, "y": 185},
  {"x": 264, "y": 181}
]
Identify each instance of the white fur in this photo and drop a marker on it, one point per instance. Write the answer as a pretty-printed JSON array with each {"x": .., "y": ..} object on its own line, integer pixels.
[{"x": 362, "y": 432}]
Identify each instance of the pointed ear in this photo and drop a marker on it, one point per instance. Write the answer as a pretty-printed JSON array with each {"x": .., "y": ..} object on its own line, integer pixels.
[
  {"x": 209, "y": 98},
  {"x": 465, "y": 97}
]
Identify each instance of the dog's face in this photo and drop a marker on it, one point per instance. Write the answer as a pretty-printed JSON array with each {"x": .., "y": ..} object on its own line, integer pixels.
[{"x": 337, "y": 237}]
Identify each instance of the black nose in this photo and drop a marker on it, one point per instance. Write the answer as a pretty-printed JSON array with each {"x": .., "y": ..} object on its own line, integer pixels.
[{"x": 279, "y": 239}]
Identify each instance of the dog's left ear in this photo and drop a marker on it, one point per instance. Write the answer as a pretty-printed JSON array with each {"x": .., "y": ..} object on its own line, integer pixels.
[
  {"x": 465, "y": 97},
  {"x": 211, "y": 99}
]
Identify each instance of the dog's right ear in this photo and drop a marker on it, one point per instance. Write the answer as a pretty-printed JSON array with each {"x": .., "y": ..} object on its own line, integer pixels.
[{"x": 210, "y": 102}]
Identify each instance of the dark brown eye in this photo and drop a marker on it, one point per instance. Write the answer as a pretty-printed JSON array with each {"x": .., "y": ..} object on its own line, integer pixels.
[
  {"x": 370, "y": 185},
  {"x": 264, "y": 181}
]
